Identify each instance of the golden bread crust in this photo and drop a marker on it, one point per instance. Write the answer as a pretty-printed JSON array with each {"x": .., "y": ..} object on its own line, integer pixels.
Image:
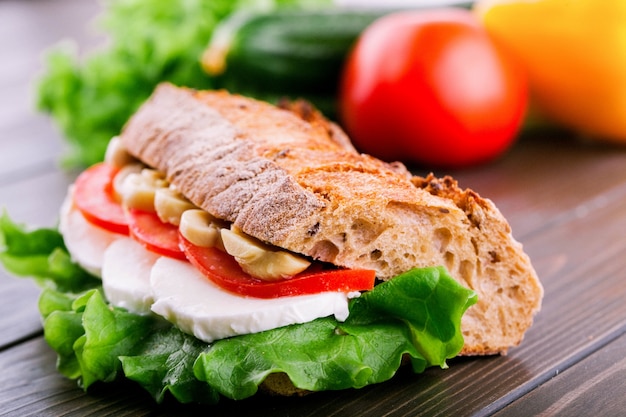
[{"x": 291, "y": 178}]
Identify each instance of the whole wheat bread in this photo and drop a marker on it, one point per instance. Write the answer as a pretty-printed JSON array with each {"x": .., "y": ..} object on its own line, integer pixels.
[{"x": 291, "y": 178}]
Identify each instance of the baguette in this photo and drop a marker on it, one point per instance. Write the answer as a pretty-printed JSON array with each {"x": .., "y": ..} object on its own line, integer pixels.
[{"x": 290, "y": 178}]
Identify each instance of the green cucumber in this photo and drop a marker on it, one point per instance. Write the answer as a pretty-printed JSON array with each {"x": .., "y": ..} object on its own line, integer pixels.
[
  {"x": 293, "y": 53},
  {"x": 291, "y": 50}
]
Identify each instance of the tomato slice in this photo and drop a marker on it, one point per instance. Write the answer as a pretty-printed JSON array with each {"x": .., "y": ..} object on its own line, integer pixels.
[
  {"x": 224, "y": 271},
  {"x": 156, "y": 236},
  {"x": 93, "y": 196}
]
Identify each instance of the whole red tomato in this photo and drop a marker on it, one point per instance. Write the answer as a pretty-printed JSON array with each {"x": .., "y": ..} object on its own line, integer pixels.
[{"x": 431, "y": 87}]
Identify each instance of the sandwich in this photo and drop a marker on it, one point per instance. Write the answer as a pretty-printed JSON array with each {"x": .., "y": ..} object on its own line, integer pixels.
[{"x": 226, "y": 244}]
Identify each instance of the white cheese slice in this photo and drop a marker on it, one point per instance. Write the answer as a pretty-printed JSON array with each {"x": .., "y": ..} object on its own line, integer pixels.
[
  {"x": 183, "y": 296},
  {"x": 126, "y": 275},
  {"x": 144, "y": 282},
  {"x": 85, "y": 242}
]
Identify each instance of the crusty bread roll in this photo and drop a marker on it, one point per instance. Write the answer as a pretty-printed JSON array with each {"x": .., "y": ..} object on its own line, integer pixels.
[{"x": 291, "y": 178}]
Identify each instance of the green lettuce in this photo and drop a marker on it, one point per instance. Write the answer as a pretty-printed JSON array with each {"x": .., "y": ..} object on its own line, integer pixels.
[
  {"x": 40, "y": 254},
  {"x": 91, "y": 98},
  {"x": 416, "y": 315}
]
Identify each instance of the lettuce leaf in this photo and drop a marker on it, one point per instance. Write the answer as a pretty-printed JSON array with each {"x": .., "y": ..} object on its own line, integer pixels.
[
  {"x": 95, "y": 342},
  {"x": 62, "y": 327},
  {"x": 91, "y": 98},
  {"x": 417, "y": 315},
  {"x": 165, "y": 364},
  {"x": 40, "y": 254}
]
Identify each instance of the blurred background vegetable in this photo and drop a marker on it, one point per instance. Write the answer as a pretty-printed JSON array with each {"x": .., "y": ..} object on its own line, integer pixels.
[
  {"x": 575, "y": 56},
  {"x": 441, "y": 113},
  {"x": 148, "y": 41},
  {"x": 293, "y": 53},
  {"x": 430, "y": 87},
  {"x": 285, "y": 53}
]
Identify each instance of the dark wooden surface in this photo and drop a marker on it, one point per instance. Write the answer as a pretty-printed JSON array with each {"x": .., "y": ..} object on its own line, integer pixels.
[{"x": 566, "y": 202}]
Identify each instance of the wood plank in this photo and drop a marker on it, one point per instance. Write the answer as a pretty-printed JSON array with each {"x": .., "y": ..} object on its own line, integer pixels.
[
  {"x": 30, "y": 385},
  {"x": 578, "y": 392},
  {"x": 28, "y": 149},
  {"x": 19, "y": 316},
  {"x": 548, "y": 179},
  {"x": 35, "y": 201},
  {"x": 27, "y": 30}
]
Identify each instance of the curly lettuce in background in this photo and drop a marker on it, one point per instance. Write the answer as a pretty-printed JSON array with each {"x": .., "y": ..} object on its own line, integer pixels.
[{"x": 149, "y": 41}]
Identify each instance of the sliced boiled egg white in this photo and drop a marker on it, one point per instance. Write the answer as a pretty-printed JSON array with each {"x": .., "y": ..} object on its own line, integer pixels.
[
  {"x": 183, "y": 296},
  {"x": 126, "y": 275},
  {"x": 85, "y": 242}
]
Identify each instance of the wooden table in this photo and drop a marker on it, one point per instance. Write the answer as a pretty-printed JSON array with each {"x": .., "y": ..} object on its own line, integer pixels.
[{"x": 566, "y": 202}]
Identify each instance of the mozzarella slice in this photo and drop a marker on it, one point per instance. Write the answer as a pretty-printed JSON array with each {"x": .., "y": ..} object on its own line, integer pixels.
[
  {"x": 183, "y": 296},
  {"x": 143, "y": 282},
  {"x": 126, "y": 275},
  {"x": 85, "y": 242}
]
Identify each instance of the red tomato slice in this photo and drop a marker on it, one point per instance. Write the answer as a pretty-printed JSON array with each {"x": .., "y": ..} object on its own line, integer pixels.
[
  {"x": 224, "y": 271},
  {"x": 93, "y": 195},
  {"x": 156, "y": 236}
]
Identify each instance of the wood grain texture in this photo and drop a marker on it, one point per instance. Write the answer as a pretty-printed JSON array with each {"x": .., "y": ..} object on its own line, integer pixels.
[
  {"x": 28, "y": 140},
  {"x": 578, "y": 392},
  {"x": 19, "y": 316},
  {"x": 566, "y": 202},
  {"x": 549, "y": 178}
]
